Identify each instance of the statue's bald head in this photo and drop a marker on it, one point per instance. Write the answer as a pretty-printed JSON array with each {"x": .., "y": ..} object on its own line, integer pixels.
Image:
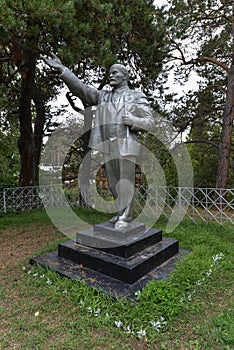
[{"x": 121, "y": 68}]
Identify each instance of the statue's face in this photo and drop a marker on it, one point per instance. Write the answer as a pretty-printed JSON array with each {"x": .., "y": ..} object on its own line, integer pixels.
[{"x": 116, "y": 77}]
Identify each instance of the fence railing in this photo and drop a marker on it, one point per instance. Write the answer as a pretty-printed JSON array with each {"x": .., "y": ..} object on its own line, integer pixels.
[{"x": 203, "y": 203}]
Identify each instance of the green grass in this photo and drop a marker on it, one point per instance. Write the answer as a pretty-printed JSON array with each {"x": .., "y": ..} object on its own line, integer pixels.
[
  {"x": 192, "y": 310},
  {"x": 12, "y": 220}
]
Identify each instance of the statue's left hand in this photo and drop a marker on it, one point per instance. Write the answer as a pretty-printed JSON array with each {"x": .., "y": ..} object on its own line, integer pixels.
[{"x": 128, "y": 119}]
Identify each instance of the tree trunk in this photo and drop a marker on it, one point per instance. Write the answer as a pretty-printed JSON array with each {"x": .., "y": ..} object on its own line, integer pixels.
[
  {"x": 226, "y": 136},
  {"x": 25, "y": 142},
  {"x": 38, "y": 132}
]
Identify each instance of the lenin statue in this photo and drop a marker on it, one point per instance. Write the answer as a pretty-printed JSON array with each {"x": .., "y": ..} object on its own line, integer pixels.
[{"x": 120, "y": 115}]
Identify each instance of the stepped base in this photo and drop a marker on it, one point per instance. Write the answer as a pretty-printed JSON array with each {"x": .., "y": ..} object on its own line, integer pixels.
[
  {"x": 104, "y": 283},
  {"x": 128, "y": 270},
  {"x": 124, "y": 246},
  {"x": 109, "y": 257}
]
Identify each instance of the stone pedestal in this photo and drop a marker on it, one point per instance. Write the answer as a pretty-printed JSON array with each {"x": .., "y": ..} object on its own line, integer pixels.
[
  {"x": 126, "y": 255},
  {"x": 118, "y": 263}
]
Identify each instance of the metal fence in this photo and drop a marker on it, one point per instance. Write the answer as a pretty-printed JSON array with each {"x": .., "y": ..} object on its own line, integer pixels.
[{"x": 196, "y": 203}]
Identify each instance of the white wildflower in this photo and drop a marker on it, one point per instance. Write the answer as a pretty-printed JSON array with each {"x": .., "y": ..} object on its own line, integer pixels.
[
  {"x": 159, "y": 323},
  {"x": 198, "y": 283},
  {"x": 127, "y": 329},
  {"x": 35, "y": 274},
  {"x": 163, "y": 320},
  {"x": 118, "y": 324},
  {"x": 42, "y": 276},
  {"x": 81, "y": 303},
  {"x": 89, "y": 309},
  {"x": 97, "y": 312},
  {"x": 65, "y": 291},
  {"x": 217, "y": 257},
  {"x": 156, "y": 325},
  {"x": 137, "y": 293},
  {"x": 49, "y": 282},
  {"x": 141, "y": 333},
  {"x": 189, "y": 297},
  {"x": 23, "y": 268}
]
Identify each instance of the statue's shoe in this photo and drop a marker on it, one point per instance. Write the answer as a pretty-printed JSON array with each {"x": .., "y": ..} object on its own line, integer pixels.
[
  {"x": 121, "y": 225},
  {"x": 125, "y": 218},
  {"x": 114, "y": 219}
]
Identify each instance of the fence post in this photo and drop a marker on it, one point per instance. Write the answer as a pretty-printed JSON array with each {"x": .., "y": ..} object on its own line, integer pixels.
[
  {"x": 4, "y": 201},
  {"x": 180, "y": 196},
  {"x": 51, "y": 196}
]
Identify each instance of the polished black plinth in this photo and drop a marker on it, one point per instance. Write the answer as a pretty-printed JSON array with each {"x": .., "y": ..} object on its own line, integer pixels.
[
  {"x": 129, "y": 269},
  {"x": 121, "y": 243},
  {"x": 118, "y": 263}
]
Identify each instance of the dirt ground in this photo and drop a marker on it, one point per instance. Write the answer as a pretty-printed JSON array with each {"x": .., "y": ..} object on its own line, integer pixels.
[{"x": 17, "y": 247}]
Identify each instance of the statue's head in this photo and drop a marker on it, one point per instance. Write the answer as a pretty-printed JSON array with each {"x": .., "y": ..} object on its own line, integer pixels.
[{"x": 118, "y": 75}]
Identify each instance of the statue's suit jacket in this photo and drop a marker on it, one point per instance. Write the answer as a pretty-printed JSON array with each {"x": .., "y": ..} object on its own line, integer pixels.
[{"x": 108, "y": 124}]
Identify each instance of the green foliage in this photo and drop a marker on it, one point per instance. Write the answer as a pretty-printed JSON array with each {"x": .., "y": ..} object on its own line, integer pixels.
[
  {"x": 37, "y": 217},
  {"x": 162, "y": 298},
  {"x": 9, "y": 160},
  {"x": 9, "y": 155},
  {"x": 89, "y": 36},
  {"x": 128, "y": 32},
  {"x": 204, "y": 155},
  {"x": 163, "y": 155},
  {"x": 204, "y": 26},
  {"x": 224, "y": 325}
]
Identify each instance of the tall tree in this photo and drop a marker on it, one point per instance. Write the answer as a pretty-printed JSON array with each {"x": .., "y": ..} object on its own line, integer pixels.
[
  {"x": 203, "y": 141},
  {"x": 203, "y": 39},
  {"x": 24, "y": 25},
  {"x": 9, "y": 133},
  {"x": 89, "y": 36},
  {"x": 9, "y": 156}
]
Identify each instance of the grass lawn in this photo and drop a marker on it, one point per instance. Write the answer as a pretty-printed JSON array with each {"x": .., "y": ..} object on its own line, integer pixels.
[{"x": 40, "y": 310}]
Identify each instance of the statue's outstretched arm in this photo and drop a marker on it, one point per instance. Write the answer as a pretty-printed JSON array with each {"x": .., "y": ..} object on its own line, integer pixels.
[{"x": 88, "y": 95}]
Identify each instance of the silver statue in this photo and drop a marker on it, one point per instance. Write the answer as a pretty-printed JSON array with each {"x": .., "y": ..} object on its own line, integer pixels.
[{"x": 121, "y": 113}]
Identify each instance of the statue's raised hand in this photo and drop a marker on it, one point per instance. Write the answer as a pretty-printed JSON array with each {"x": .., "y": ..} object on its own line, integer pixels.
[{"x": 53, "y": 62}]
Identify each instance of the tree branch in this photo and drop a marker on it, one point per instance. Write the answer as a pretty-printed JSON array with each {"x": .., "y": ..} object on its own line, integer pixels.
[
  {"x": 213, "y": 143},
  {"x": 216, "y": 62},
  {"x": 70, "y": 100},
  {"x": 212, "y": 86},
  {"x": 199, "y": 59},
  {"x": 203, "y": 58}
]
